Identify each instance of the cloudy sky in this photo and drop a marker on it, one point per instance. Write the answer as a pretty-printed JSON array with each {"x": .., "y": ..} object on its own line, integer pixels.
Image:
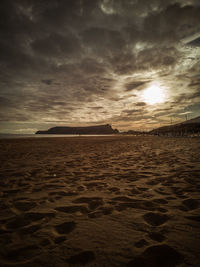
[{"x": 132, "y": 63}]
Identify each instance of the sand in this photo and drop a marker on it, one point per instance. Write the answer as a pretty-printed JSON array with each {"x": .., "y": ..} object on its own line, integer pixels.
[{"x": 100, "y": 201}]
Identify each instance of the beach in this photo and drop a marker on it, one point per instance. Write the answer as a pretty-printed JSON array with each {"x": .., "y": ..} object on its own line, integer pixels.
[{"x": 100, "y": 201}]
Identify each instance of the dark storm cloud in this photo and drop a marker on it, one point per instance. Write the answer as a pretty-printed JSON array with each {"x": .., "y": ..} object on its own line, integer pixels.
[
  {"x": 194, "y": 95},
  {"x": 195, "y": 84},
  {"x": 171, "y": 24},
  {"x": 57, "y": 46},
  {"x": 194, "y": 107},
  {"x": 91, "y": 66},
  {"x": 180, "y": 99},
  {"x": 140, "y": 104},
  {"x": 104, "y": 41},
  {"x": 133, "y": 85},
  {"x": 131, "y": 111},
  {"x": 134, "y": 118},
  {"x": 48, "y": 82},
  {"x": 162, "y": 109},
  {"x": 5, "y": 102},
  {"x": 158, "y": 58},
  {"x": 186, "y": 97},
  {"x": 162, "y": 113},
  {"x": 60, "y": 57}
]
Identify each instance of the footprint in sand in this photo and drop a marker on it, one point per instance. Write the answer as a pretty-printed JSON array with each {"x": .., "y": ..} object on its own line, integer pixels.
[
  {"x": 82, "y": 258},
  {"x": 95, "y": 214},
  {"x": 160, "y": 201},
  {"x": 95, "y": 185},
  {"x": 124, "y": 202},
  {"x": 153, "y": 182},
  {"x": 155, "y": 219},
  {"x": 72, "y": 209},
  {"x": 102, "y": 210},
  {"x": 161, "y": 191},
  {"x": 30, "y": 230},
  {"x": 21, "y": 221},
  {"x": 63, "y": 193},
  {"x": 156, "y": 236},
  {"x": 80, "y": 188},
  {"x": 162, "y": 210},
  {"x": 194, "y": 218},
  {"x": 36, "y": 216},
  {"x": 157, "y": 256},
  {"x": 123, "y": 199},
  {"x": 191, "y": 204},
  {"x": 59, "y": 240},
  {"x": 106, "y": 210},
  {"x": 143, "y": 189},
  {"x": 114, "y": 189},
  {"x": 24, "y": 205},
  {"x": 22, "y": 253},
  {"x": 65, "y": 228},
  {"x": 87, "y": 199},
  {"x": 134, "y": 191},
  {"x": 95, "y": 204},
  {"x": 141, "y": 243},
  {"x": 45, "y": 242},
  {"x": 17, "y": 222}
]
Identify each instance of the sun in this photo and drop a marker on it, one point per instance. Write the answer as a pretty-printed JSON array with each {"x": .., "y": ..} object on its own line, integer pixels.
[{"x": 153, "y": 95}]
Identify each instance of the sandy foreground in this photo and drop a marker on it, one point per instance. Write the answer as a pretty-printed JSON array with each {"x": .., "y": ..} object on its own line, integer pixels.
[{"x": 100, "y": 201}]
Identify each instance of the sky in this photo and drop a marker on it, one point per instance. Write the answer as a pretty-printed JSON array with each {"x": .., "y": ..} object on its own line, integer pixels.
[{"x": 134, "y": 64}]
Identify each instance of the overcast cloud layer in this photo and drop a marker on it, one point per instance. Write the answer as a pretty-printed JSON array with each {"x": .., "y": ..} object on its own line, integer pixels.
[{"x": 86, "y": 62}]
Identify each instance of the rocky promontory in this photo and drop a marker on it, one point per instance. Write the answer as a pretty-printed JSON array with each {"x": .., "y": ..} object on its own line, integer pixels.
[{"x": 98, "y": 129}]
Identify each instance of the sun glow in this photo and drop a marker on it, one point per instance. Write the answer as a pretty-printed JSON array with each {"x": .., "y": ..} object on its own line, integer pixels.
[{"x": 153, "y": 95}]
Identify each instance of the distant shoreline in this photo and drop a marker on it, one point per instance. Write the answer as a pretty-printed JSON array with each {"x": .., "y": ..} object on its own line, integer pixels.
[
  {"x": 43, "y": 136},
  {"x": 17, "y": 136}
]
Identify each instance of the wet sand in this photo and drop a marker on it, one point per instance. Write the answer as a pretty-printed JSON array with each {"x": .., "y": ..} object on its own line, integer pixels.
[{"x": 100, "y": 201}]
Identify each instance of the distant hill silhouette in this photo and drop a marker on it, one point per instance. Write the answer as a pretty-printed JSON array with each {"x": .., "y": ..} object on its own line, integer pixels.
[
  {"x": 187, "y": 127},
  {"x": 98, "y": 129}
]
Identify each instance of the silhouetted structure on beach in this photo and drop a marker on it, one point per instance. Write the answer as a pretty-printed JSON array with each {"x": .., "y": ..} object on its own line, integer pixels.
[{"x": 189, "y": 127}]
